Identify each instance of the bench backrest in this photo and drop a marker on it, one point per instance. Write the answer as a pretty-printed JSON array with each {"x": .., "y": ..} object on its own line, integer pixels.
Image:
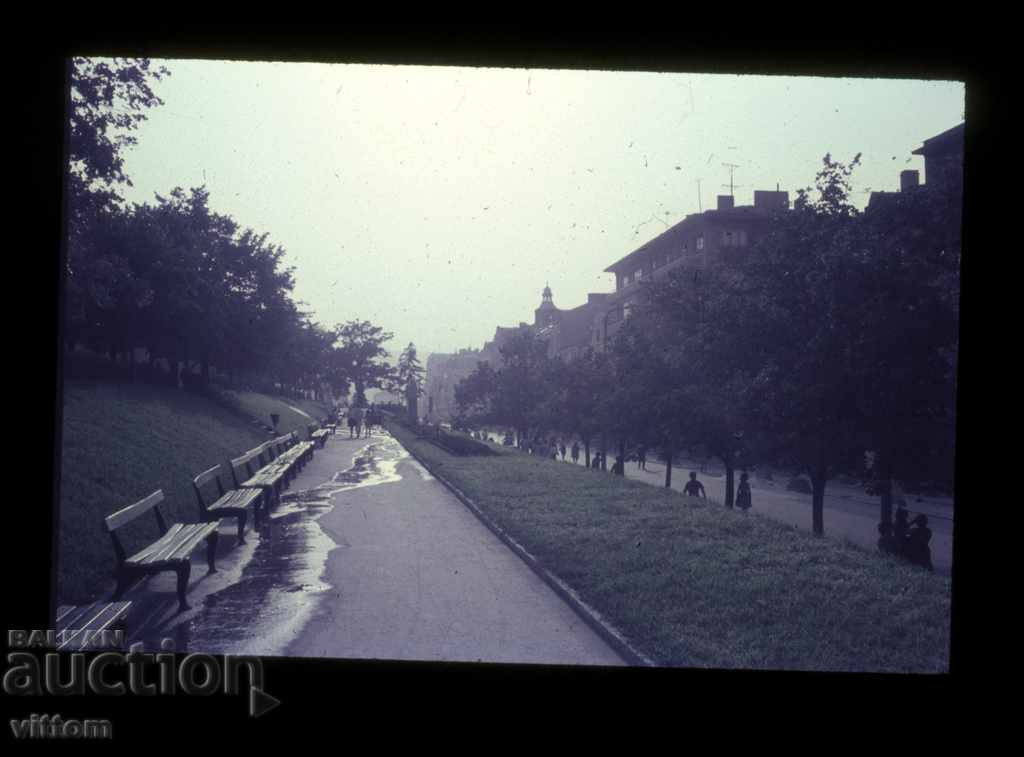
[
  {"x": 242, "y": 467},
  {"x": 213, "y": 474},
  {"x": 126, "y": 515}
]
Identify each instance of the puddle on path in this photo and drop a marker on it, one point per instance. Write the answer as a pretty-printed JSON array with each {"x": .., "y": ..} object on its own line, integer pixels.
[{"x": 281, "y": 585}]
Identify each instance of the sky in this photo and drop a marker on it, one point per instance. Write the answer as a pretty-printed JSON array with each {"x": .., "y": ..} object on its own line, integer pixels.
[{"x": 437, "y": 202}]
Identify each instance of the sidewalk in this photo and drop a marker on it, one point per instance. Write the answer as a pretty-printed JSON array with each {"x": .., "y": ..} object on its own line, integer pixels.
[{"x": 415, "y": 576}]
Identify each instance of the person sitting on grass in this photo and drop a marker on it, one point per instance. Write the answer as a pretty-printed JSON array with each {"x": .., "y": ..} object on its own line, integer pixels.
[
  {"x": 694, "y": 488},
  {"x": 916, "y": 547}
]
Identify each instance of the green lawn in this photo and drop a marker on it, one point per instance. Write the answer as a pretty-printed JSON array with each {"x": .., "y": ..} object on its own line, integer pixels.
[
  {"x": 260, "y": 406},
  {"x": 120, "y": 443},
  {"x": 693, "y": 584}
]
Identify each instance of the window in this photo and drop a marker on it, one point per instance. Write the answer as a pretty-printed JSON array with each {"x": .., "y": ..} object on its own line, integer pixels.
[
  {"x": 700, "y": 242},
  {"x": 638, "y": 274},
  {"x": 626, "y": 310},
  {"x": 625, "y": 280}
]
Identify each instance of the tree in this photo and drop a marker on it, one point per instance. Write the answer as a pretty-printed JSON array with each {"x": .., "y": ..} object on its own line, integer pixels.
[
  {"x": 794, "y": 299},
  {"x": 363, "y": 356},
  {"x": 514, "y": 395},
  {"x": 408, "y": 374},
  {"x": 109, "y": 98},
  {"x": 910, "y": 320}
]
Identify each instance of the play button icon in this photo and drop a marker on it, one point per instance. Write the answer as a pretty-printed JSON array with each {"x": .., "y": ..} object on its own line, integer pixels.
[{"x": 260, "y": 702}]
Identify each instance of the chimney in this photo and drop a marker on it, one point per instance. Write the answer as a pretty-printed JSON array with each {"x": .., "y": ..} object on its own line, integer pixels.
[
  {"x": 726, "y": 202},
  {"x": 909, "y": 179},
  {"x": 767, "y": 200}
]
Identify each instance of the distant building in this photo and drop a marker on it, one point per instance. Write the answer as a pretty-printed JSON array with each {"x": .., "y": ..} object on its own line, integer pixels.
[
  {"x": 691, "y": 243},
  {"x": 943, "y": 167}
]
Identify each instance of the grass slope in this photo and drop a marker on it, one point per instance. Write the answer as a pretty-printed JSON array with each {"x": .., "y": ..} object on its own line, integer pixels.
[
  {"x": 696, "y": 585},
  {"x": 260, "y": 406},
  {"x": 120, "y": 443}
]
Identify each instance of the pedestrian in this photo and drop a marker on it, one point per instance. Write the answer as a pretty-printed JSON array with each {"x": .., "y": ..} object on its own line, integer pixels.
[
  {"x": 641, "y": 458},
  {"x": 351, "y": 423},
  {"x": 694, "y": 488},
  {"x": 356, "y": 420},
  {"x": 561, "y": 448},
  {"x": 916, "y": 547},
  {"x": 575, "y": 452},
  {"x": 743, "y": 493}
]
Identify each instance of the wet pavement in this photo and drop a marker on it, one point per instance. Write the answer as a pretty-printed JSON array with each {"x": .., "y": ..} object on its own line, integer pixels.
[{"x": 368, "y": 556}]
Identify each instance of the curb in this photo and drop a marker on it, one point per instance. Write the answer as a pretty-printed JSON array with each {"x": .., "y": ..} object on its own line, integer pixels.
[{"x": 614, "y": 638}]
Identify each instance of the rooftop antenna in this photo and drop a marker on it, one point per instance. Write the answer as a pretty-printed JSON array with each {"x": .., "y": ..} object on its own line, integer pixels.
[{"x": 731, "y": 167}]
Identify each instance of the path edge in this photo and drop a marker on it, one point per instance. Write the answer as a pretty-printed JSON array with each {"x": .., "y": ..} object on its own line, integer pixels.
[{"x": 603, "y": 628}]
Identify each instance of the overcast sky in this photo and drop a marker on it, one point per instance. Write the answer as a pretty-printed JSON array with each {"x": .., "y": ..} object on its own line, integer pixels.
[{"x": 438, "y": 201}]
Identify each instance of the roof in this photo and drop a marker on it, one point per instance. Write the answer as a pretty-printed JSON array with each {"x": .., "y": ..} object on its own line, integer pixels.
[
  {"x": 671, "y": 237},
  {"x": 951, "y": 140}
]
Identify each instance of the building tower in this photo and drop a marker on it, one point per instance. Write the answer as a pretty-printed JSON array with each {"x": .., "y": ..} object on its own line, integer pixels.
[{"x": 547, "y": 313}]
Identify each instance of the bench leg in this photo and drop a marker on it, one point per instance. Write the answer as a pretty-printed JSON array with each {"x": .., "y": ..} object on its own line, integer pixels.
[
  {"x": 184, "y": 571},
  {"x": 124, "y": 579},
  {"x": 241, "y": 527},
  {"x": 211, "y": 551}
]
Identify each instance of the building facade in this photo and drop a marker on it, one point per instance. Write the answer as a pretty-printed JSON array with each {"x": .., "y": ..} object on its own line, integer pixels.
[{"x": 694, "y": 243}]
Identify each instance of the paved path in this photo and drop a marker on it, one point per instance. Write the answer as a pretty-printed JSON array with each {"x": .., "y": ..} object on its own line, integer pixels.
[{"x": 415, "y": 576}]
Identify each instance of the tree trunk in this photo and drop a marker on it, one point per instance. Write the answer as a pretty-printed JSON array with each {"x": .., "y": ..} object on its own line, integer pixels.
[
  {"x": 131, "y": 364},
  {"x": 818, "y": 501},
  {"x": 730, "y": 470},
  {"x": 604, "y": 451},
  {"x": 668, "y": 469},
  {"x": 885, "y": 480},
  {"x": 622, "y": 457},
  {"x": 586, "y": 451}
]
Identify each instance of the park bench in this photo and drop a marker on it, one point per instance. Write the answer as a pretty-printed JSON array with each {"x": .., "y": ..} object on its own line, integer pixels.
[
  {"x": 171, "y": 552},
  {"x": 251, "y": 472},
  {"x": 317, "y": 434},
  {"x": 234, "y": 503},
  {"x": 287, "y": 453},
  {"x": 301, "y": 451},
  {"x": 78, "y": 626}
]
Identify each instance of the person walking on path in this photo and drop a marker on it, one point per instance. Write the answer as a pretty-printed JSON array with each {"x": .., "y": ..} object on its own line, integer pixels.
[
  {"x": 355, "y": 422},
  {"x": 641, "y": 458},
  {"x": 368, "y": 420},
  {"x": 694, "y": 488},
  {"x": 575, "y": 452},
  {"x": 743, "y": 493},
  {"x": 561, "y": 448}
]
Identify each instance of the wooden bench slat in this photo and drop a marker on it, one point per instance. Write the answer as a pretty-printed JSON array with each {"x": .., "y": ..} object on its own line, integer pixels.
[
  {"x": 98, "y": 616},
  {"x": 197, "y": 533},
  {"x": 236, "y": 498},
  {"x": 130, "y": 513},
  {"x": 159, "y": 547}
]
